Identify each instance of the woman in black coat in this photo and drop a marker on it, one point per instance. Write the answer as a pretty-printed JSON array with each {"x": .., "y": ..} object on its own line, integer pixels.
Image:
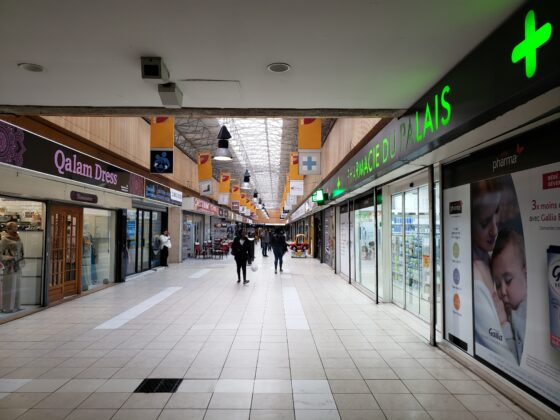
[
  {"x": 279, "y": 247},
  {"x": 240, "y": 250}
]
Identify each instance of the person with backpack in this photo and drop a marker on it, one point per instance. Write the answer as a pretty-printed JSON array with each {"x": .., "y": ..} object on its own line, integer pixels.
[{"x": 279, "y": 247}]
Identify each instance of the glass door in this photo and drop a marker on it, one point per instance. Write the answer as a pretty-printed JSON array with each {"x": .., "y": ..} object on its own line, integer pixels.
[
  {"x": 413, "y": 251},
  {"x": 410, "y": 250},
  {"x": 144, "y": 234},
  {"x": 365, "y": 247},
  {"x": 379, "y": 244},
  {"x": 156, "y": 231},
  {"x": 397, "y": 249}
]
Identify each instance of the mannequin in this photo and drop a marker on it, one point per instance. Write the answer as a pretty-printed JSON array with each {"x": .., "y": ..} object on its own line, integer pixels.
[
  {"x": 87, "y": 245},
  {"x": 11, "y": 252}
]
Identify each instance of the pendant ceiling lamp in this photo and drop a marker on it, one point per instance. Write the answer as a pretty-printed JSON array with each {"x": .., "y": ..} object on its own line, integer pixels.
[
  {"x": 246, "y": 181},
  {"x": 222, "y": 152}
]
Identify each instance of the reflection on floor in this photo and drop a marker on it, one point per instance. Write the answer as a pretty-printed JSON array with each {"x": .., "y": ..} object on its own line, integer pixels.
[
  {"x": 301, "y": 344},
  {"x": 23, "y": 309}
]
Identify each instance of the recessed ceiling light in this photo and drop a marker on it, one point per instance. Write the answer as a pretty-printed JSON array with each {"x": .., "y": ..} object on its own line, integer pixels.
[
  {"x": 35, "y": 68},
  {"x": 279, "y": 67}
]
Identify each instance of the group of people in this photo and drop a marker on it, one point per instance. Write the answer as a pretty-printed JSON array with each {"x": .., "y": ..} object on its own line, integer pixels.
[
  {"x": 499, "y": 269},
  {"x": 243, "y": 250}
]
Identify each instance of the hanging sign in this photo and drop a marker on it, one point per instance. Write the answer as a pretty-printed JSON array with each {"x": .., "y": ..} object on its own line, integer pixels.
[
  {"x": 310, "y": 162},
  {"x": 293, "y": 171},
  {"x": 161, "y": 144},
  {"x": 206, "y": 187},
  {"x": 296, "y": 188}
]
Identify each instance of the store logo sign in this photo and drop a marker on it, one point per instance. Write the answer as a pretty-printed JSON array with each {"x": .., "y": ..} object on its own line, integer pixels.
[
  {"x": 456, "y": 207},
  {"x": 551, "y": 180},
  {"x": 556, "y": 275},
  {"x": 496, "y": 334},
  {"x": 73, "y": 165},
  {"x": 506, "y": 159},
  {"x": 176, "y": 195}
]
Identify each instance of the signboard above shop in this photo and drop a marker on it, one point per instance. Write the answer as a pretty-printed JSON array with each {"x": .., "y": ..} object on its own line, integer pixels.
[
  {"x": 198, "y": 205},
  {"x": 30, "y": 151},
  {"x": 518, "y": 62},
  {"x": 163, "y": 193}
]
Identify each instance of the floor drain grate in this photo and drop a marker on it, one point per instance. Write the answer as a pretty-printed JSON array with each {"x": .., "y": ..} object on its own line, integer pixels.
[{"x": 159, "y": 385}]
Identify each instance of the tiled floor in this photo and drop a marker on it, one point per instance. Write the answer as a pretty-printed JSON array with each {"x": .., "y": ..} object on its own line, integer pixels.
[{"x": 298, "y": 345}]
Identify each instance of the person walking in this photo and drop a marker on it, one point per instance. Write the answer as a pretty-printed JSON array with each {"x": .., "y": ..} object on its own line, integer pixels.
[
  {"x": 165, "y": 244},
  {"x": 265, "y": 242},
  {"x": 279, "y": 247},
  {"x": 240, "y": 251}
]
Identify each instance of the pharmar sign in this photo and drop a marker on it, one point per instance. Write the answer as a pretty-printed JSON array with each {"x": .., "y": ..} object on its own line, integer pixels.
[{"x": 26, "y": 150}]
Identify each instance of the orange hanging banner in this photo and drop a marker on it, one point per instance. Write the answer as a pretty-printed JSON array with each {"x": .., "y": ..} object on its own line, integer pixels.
[
  {"x": 204, "y": 166},
  {"x": 294, "y": 167},
  {"x": 225, "y": 181},
  {"x": 309, "y": 133},
  {"x": 235, "y": 192},
  {"x": 162, "y": 130}
]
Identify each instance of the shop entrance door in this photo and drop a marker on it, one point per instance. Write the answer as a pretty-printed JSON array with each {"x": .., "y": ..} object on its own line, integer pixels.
[
  {"x": 144, "y": 230},
  {"x": 65, "y": 258},
  {"x": 410, "y": 250}
]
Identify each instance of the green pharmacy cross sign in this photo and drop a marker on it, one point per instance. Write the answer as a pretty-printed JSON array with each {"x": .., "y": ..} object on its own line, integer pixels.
[
  {"x": 339, "y": 190},
  {"x": 527, "y": 49},
  {"x": 318, "y": 196}
]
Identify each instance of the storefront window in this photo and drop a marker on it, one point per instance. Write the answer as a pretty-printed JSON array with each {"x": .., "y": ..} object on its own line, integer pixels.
[
  {"x": 344, "y": 243},
  {"x": 21, "y": 281},
  {"x": 97, "y": 248},
  {"x": 437, "y": 251},
  {"x": 188, "y": 237},
  {"x": 131, "y": 241},
  {"x": 397, "y": 249}
]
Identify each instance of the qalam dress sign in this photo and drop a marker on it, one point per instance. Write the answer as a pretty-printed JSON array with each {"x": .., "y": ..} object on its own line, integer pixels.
[
  {"x": 29, "y": 151},
  {"x": 502, "y": 258}
]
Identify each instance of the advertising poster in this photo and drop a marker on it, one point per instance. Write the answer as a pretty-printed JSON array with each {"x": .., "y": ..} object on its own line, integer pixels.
[
  {"x": 458, "y": 291},
  {"x": 512, "y": 194}
]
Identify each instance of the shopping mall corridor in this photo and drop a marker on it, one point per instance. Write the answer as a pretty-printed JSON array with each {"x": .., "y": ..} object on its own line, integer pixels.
[{"x": 302, "y": 344}]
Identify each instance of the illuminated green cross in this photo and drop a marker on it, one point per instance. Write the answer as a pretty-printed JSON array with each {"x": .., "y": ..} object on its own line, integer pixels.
[
  {"x": 338, "y": 183},
  {"x": 528, "y": 47}
]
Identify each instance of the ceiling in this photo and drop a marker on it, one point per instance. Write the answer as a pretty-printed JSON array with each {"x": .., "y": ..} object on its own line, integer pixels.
[
  {"x": 357, "y": 58},
  {"x": 260, "y": 145},
  {"x": 359, "y": 54}
]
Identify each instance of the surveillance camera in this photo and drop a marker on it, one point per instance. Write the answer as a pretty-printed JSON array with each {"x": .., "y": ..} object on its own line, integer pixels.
[
  {"x": 154, "y": 69},
  {"x": 170, "y": 94}
]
